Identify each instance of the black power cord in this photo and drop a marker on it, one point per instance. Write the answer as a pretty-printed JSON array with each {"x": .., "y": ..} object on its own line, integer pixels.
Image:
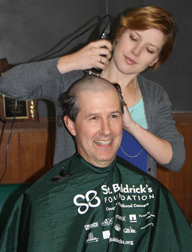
[
  {"x": 1, "y": 120},
  {"x": 101, "y": 19},
  {"x": 10, "y": 132}
]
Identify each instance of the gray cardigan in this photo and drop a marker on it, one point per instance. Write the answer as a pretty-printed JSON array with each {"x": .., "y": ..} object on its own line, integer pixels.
[{"x": 42, "y": 80}]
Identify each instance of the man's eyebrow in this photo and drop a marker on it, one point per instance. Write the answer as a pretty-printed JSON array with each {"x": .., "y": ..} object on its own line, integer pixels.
[
  {"x": 92, "y": 114},
  {"x": 112, "y": 112},
  {"x": 116, "y": 111}
]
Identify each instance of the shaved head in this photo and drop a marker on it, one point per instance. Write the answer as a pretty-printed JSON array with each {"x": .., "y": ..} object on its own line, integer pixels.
[
  {"x": 90, "y": 83},
  {"x": 69, "y": 100}
]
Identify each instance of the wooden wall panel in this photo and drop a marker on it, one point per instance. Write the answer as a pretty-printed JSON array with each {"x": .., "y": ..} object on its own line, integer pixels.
[
  {"x": 181, "y": 182},
  {"x": 13, "y": 167},
  {"x": 30, "y": 153},
  {"x": 36, "y": 157},
  {"x": 163, "y": 175}
]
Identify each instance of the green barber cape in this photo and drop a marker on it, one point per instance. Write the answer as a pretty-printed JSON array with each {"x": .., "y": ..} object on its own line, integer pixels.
[{"x": 118, "y": 208}]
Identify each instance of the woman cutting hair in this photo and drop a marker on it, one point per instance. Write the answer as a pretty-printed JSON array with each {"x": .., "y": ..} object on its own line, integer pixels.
[{"x": 144, "y": 39}]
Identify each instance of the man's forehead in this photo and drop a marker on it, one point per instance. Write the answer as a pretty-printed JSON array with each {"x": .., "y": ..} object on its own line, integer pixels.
[
  {"x": 98, "y": 89},
  {"x": 98, "y": 102},
  {"x": 97, "y": 94}
]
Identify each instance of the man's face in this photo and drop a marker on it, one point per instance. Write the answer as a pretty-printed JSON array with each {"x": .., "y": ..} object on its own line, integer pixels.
[{"x": 98, "y": 128}]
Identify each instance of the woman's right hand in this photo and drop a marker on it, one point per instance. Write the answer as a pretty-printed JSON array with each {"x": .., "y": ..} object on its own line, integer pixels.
[{"x": 95, "y": 54}]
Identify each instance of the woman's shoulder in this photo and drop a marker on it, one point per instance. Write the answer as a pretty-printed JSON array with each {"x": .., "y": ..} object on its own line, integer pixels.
[
  {"x": 150, "y": 88},
  {"x": 149, "y": 84}
]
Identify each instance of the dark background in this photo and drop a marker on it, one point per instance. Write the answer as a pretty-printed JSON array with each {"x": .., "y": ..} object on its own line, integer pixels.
[{"x": 31, "y": 29}]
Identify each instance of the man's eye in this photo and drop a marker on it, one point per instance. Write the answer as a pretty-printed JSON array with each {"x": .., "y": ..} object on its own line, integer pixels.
[
  {"x": 114, "y": 116},
  {"x": 93, "y": 118}
]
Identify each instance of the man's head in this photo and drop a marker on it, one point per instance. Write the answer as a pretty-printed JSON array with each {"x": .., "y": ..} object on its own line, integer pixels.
[{"x": 93, "y": 114}]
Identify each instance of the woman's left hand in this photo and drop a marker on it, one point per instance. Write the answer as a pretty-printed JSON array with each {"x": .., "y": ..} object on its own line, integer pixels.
[
  {"x": 127, "y": 119},
  {"x": 156, "y": 147}
]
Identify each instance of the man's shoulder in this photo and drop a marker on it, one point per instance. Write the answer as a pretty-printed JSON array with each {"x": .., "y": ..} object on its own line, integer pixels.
[
  {"x": 137, "y": 176},
  {"x": 46, "y": 183},
  {"x": 134, "y": 171}
]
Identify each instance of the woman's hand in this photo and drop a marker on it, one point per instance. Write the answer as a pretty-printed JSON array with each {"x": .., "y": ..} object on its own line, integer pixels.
[
  {"x": 156, "y": 147},
  {"x": 95, "y": 54},
  {"x": 127, "y": 120}
]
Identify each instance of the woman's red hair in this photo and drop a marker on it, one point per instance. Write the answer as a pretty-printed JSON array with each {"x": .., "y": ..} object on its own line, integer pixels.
[{"x": 151, "y": 17}]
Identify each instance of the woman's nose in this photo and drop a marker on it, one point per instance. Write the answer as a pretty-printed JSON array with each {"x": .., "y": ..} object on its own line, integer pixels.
[{"x": 136, "y": 50}]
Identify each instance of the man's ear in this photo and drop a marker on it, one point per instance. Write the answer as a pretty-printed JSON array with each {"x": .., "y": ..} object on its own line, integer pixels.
[
  {"x": 70, "y": 125},
  {"x": 123, "y": 115}
]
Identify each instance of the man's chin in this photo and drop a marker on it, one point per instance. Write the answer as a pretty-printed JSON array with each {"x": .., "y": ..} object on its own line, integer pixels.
[{"x": 104, "y": 160}]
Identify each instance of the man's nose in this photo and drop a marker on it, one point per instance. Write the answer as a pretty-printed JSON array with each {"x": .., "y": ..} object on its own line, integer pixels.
[{"x": 105, "y": 127}]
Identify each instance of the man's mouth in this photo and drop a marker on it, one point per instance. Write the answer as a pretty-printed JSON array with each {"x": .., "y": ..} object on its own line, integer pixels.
[{"x": 103, "y": 142}]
